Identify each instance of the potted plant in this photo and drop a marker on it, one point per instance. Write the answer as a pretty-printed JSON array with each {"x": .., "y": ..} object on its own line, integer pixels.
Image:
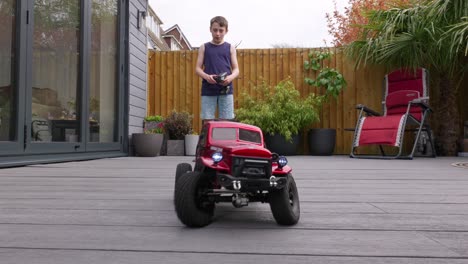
[
  {"x": 331, "y": 83},
  {"x": 177, "y": 125},
  {"x": 148, "y": 143},
  {"x": 153, "y": 122},
  {"x": 281, "y": 113}
]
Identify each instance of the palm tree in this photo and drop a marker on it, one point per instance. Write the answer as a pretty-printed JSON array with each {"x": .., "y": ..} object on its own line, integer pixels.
[{"x": 431, "y": 34}]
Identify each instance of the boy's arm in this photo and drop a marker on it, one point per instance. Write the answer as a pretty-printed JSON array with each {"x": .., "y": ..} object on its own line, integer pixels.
[
  {"x": 198, "y": 68},
  {"x": 234, "y": 67}
]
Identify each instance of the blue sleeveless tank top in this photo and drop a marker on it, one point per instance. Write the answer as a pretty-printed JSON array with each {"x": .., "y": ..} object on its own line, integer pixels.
[{"x": 217, "y": 59}]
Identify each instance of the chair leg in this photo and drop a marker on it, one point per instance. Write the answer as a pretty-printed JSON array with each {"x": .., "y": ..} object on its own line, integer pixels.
[
  {"x": 381, "y": 150},
  {"x": 416, "y": 140}
]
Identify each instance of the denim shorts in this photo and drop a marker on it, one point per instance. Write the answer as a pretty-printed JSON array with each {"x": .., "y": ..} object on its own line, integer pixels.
[{"x": 225, "y": 105}]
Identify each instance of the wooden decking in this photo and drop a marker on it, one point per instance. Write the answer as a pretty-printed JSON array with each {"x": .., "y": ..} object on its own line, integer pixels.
[{"x": 120, "y": 211}]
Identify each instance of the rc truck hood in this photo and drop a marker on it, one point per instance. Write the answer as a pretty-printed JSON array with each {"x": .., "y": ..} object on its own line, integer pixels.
[{"x": 246, "y": 150}]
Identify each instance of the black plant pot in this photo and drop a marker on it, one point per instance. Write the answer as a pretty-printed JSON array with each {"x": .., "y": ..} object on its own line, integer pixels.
[
  {"x": 322, "y": 141},
  {"x": 277, "y": 143}
]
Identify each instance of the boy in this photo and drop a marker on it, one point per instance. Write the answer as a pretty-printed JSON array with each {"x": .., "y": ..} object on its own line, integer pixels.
[{"x": 217, "y": 57}]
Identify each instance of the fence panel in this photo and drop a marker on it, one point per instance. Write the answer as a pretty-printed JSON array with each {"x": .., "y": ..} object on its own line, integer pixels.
[{"x": 173, "y": 84}]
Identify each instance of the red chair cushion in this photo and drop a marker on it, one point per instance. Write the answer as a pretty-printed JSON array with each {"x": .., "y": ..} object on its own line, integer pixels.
[
  {"x": 405, "y": 74},
  {"x": 382, "y": 130},
  {"x": 405, "y": 80},
  {"x": 397, "y": 103}
]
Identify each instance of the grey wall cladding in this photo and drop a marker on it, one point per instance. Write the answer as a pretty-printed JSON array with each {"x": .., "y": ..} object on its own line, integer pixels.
[{"x": 137, "y": 67}]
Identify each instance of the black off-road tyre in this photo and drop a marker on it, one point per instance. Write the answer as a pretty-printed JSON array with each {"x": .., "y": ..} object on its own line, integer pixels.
[
  {"x": 181, "y": 169},
  {"x": 284, "y": 203},
  {"x": 193, "y": 207}
]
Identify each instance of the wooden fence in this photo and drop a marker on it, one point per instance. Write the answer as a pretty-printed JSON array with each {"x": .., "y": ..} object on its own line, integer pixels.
[{"x": 173, "y": 84}]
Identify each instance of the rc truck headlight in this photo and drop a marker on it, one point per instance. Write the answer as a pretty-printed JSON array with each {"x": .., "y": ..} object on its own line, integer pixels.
[
  {"x": 217, "y": 157},
  {"x": 282, "y": 161}
]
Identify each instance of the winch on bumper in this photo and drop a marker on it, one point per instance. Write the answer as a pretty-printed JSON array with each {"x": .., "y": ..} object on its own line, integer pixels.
[
  {"x": 246, "y": 184},
  {"x": 241, "y": 188}
]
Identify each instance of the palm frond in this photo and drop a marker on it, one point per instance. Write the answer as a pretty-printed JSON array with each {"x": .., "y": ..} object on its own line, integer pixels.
[
  {"x": 449, "y": 10},
  {"x": 458, "y": 34},
  {"x": 410, "y": 37}
]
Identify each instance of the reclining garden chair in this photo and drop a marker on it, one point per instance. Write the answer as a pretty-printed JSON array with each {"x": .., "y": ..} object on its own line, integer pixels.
[{"x": 405, "y": 109}]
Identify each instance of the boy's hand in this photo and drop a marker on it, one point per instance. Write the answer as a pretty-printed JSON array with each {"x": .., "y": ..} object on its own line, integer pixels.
[
  {"x": 228, "y": 80},
  {"x": 210, "y": 79}
]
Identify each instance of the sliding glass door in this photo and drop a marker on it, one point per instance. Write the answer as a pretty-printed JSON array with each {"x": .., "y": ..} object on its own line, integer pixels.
[
  {"x": 61, "y": 76},
  {"x": 75, "y": 90},
  {"x": 104, "y": 93},
  {"x": 54, "y": 108},
  {"x": 10, "y": 141}
]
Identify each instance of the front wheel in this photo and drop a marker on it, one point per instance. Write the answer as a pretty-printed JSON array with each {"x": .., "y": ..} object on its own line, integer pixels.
[
  {"x": 181, "y": 169},
  {"x": 192, "y": 205},
  {"x": 284, "y": 203}
]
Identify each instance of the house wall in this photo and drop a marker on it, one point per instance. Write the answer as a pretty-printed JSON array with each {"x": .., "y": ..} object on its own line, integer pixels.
[
  {"x": 137, "y": 67},
  {"x": 176, "y": 33},
  {"x": 168, "y": 42}
]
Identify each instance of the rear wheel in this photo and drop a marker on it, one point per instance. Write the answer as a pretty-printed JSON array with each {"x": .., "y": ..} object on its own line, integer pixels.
[
  {"x": 192, "y": 205},
  {"x": 284, "y": 203}
]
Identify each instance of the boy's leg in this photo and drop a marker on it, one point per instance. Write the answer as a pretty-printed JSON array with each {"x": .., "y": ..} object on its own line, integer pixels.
[
  {"x": 208, "y": 107},
  {"x": 226, "y": 106}
]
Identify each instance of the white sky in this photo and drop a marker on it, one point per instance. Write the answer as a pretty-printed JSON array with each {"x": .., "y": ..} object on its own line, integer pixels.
[{"x": 257, "y": 23}]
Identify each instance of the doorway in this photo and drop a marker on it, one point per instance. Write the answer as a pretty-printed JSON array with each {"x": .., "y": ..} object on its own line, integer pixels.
[{"x": 61, "y": 91}]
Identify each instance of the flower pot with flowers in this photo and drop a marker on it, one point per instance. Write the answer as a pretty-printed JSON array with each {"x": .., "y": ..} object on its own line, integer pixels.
[
  {"x": 177, "y": 125},
  {"x": 148, "y": 143}
]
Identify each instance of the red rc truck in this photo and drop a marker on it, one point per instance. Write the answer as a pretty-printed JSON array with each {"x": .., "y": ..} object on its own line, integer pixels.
[{"x": 233, "y": 165}]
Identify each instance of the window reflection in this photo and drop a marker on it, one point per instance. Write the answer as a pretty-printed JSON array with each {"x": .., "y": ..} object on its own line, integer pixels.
[
  {"x": 249, "y": 135},
  {"x": 103, "y": 89},
  {"x": 55, "y": 69},
  {"x": 224, "y": 133},
  {"x": 7, "y": 66}
]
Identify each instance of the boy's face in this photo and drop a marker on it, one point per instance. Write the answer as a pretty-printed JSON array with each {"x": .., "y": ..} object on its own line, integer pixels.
[{"x": 218, "y": 33}]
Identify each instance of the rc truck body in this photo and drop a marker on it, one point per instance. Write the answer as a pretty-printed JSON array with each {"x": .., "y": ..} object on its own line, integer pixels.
[{"x": 232, "y": 165}]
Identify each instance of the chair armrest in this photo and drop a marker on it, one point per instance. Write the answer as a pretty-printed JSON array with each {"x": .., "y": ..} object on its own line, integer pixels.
[
  {"x": 421, "y": 102},
  {"x": 367, "y": 110}
]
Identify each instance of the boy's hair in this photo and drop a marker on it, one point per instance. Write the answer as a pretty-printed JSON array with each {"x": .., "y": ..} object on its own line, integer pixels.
[{"x": 220, "y": 20}]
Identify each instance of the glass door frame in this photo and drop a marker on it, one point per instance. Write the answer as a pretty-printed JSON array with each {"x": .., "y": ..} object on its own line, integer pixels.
[
  {"x": 82, "y": 100},
  {"x": 32, "y": 147},
  {"x": 120, "y": 82},
  {"x": 17, "y": 146}
]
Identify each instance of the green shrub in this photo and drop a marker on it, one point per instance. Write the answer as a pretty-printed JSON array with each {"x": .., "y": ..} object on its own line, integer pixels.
[
  {"x": 280, "y": 110},
  {"x": 154, "y": 118}
]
